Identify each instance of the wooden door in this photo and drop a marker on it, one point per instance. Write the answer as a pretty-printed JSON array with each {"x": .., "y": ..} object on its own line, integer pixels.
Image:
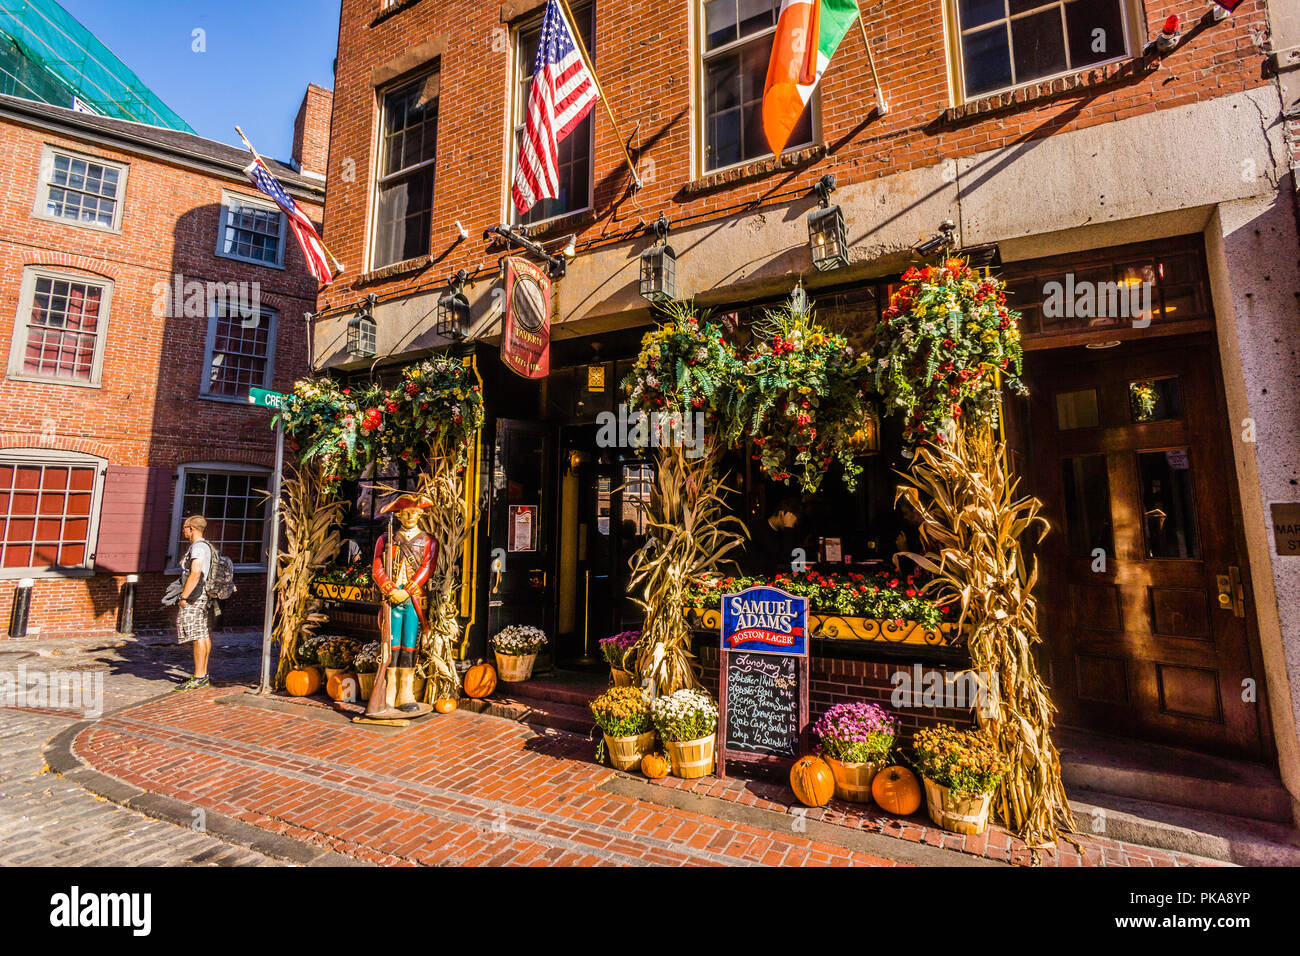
[{"x": 1143, "y": 601}]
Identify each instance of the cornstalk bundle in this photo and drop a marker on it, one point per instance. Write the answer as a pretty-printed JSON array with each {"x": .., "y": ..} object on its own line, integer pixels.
[
  {"x": 689, "y": 534},
  {"x": 311, "y": 530},
  {"x": 972, "y": 524},
  {"x": 449, "y": 521}
]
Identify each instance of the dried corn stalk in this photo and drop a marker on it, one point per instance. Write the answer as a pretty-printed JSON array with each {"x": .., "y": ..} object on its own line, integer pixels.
[
  {"x": 689, "y": 534},
  {"x": 311, "y": 515},
  {"x": 973, "y": 525}
]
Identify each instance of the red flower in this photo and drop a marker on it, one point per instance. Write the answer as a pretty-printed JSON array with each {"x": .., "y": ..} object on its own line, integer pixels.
[{"x": 910, "y": 592}]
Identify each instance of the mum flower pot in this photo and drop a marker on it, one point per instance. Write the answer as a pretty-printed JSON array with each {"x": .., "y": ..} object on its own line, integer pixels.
[
  {"x": 691, "y": 758},
  {"x": 625, "y": 753},
  {"x": 957, "y": 811},
  {"x": 514, "y": 668},
  {"x": 366, "y": 684},
  {"x": 853, "y": 779},
  {"x": 621, "y": 677},
  {"x": 335, "y": 672}
]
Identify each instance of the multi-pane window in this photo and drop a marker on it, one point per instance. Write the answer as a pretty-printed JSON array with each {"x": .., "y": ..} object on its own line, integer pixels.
[
  {"x": 81, "y": 190},
  {"x": 239, "y": 350},
  {"x": 60, "y": 328},
  {"x": 404, "y": 191},
  {"x": 46, "y": 513},
  {"x": 574, "y": 150},
  {"x": 737, "y": 46},
  {"x": 234, "y": 504},
  {"x": 1005, "y": 43},
  {"x": 252, "y": 232}
]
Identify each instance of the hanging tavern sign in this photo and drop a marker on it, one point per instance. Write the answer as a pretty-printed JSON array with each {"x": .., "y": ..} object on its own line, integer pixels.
[
  {"x": 763, "y": 686},
  {"x": 526, "y": 339}
]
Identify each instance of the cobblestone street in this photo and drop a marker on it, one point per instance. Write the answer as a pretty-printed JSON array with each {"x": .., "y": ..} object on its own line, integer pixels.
[{"x": 46, "y": 819}]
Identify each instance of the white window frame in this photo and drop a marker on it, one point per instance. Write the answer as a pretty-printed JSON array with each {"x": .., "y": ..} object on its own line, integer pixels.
[
  {"x": 520, "y": 110},
  {"x": 46, "y": 174},
  {"x": 227, "y": 197},
  {"x": 377, "y": 177},
  {"x": 702, "y": 58},
  {"x": 18, "y": 344},
  {"x": 210, "y": 347},
  {"x": 955, "y": 32},
  {"x": 62, "y": 459},
  {"x": 174, "y": 550}
]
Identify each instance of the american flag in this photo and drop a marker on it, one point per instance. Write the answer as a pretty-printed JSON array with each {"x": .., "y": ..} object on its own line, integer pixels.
[
  {"x": 563, "y": 92},
  {"x": 313, "y": 249}
]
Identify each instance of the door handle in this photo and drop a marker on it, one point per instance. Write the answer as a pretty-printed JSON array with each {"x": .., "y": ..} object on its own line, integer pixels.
[{"x": 1232, "y": 594}]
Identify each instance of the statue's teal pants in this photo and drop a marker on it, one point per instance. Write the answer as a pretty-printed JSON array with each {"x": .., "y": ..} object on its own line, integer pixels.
[{"x": 405, "y": 625}]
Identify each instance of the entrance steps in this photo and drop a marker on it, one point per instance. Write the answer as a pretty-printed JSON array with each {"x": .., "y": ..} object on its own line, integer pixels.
[{"x": 556, "y": 699}]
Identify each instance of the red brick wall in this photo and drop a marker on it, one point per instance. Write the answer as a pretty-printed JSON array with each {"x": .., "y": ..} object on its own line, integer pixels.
[
  {"x": 644, "y": 60},
  {"x": 147, "y": 412},
  {"x": 311, "y": 130}
]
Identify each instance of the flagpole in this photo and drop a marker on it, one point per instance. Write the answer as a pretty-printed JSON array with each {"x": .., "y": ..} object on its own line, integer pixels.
[
  {"x": 338, "y": 266},
  {"x": 881, "y": 106},
  {"x": 582, "y": 49}
]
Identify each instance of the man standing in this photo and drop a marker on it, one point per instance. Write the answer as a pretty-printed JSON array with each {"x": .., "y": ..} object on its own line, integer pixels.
[{"x": 192, "y": 620}]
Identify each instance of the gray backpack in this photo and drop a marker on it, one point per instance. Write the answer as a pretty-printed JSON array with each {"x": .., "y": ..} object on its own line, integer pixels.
[{"x": 221, "y": 583}]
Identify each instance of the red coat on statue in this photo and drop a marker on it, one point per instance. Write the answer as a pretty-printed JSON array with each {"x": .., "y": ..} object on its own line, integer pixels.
[{"x": 415, "y": 557}]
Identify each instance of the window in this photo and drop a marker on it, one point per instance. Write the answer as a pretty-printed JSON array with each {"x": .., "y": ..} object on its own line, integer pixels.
[
  {"x": 575, "y": 149},
  {"x": 251, "y": 231},
  {"x": 233, "y": 500},
  {"x": 49, "y": 505},
  {"x": 240, "y": 350},
  {"x": 737, "y": 45},
  {"x": 82, "y": 190},
  {"x": 1006, "y": 43},
  {"x": 404, "y": 192},
  {"x": 60, "y": 328}
]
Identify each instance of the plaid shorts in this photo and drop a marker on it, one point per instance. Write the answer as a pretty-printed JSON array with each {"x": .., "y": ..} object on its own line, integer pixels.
[{"x": 192, "y": 621}]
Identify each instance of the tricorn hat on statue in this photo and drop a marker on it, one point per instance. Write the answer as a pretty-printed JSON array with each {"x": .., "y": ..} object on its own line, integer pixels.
[{"x": 403, "y": 502}]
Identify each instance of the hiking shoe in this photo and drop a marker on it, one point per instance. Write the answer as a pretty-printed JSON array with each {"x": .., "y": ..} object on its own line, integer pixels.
[{"x": 193, "y": 683}]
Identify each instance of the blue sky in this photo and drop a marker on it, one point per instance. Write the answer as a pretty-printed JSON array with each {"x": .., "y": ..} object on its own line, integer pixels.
[{"x": 260, "y": 56}]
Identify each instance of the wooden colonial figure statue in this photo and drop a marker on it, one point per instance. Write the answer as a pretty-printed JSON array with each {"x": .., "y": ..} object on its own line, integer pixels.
[{"x": 401, "y": 572}]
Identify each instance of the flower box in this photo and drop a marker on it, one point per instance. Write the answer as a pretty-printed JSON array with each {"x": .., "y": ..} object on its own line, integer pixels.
[
  {"x": 344, "y": 592},
  {"x": 834, "y": 627}
]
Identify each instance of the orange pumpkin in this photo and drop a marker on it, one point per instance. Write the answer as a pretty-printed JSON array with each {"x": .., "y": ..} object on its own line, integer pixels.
[
  {"x": 343, "y": 687},
  {"x": 654, "y": 766},
  {"x": 444, "y": 705},
  {"x": 812, "y": 781},
  {"x": 897, "y": 791},
  {"x": 480, "y": 680},
  {"x": 303, "y": 682}
]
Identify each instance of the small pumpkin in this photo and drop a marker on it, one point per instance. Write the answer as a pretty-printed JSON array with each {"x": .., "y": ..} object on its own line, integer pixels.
[
  {"x": 896, "y": 790},
  {"x": 302, "y": 682},
  {"x": 444, "y": 705},
  {"x": 343, "y": 687},
  {"x": 812, "y": 781},
  {"x": 480, "y": 680},
  {"x": 654, "y": 766}
]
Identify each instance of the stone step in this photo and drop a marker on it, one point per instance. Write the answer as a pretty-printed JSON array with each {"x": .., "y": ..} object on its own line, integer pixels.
[
  {"x": 1218, "y": 836},
  {"x": 559, "y": 715},
  {"x": 1171, "y": 776}
]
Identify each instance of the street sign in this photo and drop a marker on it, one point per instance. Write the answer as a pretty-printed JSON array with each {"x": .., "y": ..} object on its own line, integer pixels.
[{"x": 265, "y": 398}]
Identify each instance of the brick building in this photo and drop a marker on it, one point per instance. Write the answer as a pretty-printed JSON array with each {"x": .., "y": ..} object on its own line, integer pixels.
[
  {"x": 1047, "y": 132},
  {"x": 148, "y": 285}
]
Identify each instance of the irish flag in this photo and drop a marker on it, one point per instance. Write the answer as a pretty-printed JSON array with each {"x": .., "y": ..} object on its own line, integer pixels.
[{"x": 807, "y": 34}]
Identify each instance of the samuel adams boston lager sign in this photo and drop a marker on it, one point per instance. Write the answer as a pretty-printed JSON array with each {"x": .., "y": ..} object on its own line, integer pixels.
[
  {"x": 763, "y": 693},
  {"x": 526, "y": 339}
]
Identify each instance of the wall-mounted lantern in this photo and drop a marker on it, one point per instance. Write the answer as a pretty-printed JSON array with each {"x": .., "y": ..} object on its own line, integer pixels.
[
  {"x": 362, "y": 330},
  {"x": 453, "y": 308},
  {"x": 826, "y": 234},
  {"x": 659, "y": 267}
]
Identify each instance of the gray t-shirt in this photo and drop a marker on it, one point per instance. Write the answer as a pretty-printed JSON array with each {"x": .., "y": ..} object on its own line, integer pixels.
[{"x": 201, "y": 552}]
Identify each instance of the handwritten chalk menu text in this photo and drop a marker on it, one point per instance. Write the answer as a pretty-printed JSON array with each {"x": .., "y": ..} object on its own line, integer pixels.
[{"x": 763, "y": 699}]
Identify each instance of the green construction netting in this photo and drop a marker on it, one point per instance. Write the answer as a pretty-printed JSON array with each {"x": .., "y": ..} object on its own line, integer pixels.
[{"x": 46, "y": 55}]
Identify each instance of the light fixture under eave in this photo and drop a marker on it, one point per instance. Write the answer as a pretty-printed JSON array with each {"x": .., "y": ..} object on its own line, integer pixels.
[
  {"x": 659, "y": 267},
  {"x": 827, "y": 238},
  {"x": 1108, "y": 344},
  {"x": 453, "y": 308},
  {"x": 362, "y": 331}
]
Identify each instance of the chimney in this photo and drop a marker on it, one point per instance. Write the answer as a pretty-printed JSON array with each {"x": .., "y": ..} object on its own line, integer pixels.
[{"x": 311, "y": 131}]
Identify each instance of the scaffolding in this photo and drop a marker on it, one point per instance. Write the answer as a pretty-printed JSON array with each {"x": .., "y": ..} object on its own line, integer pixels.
[{"x": 46, "y": 55}]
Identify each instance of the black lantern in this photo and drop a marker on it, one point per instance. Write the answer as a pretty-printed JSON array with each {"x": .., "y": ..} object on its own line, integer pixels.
[
  {"x": 659, "y": 267},
  {"x": 361, "y": 330},
  {"x": 826, "y": 235},
  {"x": 453, "y": 308}
]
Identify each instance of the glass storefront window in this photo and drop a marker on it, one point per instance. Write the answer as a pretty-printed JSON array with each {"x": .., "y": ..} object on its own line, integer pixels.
[{"x": 1168, "y": 508}]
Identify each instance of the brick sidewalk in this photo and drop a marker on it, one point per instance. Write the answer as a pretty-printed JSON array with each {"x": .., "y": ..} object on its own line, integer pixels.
[{"x": 472, "y": 789}]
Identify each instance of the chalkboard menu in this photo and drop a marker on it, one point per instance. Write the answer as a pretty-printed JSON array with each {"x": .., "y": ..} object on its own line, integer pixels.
[{"x": 764, "y": 678}]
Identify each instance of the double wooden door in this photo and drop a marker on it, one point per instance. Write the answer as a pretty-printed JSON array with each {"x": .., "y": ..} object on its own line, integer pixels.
[{"x": 1145, "y": 607}]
